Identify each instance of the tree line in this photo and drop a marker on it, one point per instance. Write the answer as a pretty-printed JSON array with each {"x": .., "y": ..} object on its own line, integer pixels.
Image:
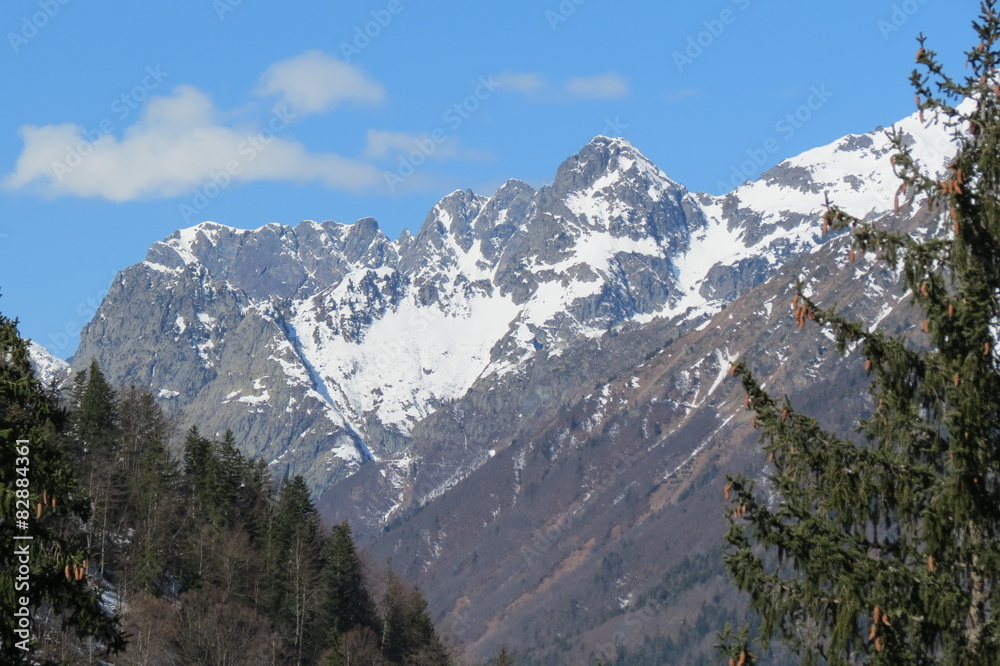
[{"x": 144, "y": 555}]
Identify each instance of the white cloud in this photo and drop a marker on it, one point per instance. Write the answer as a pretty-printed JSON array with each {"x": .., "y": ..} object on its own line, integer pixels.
[
  {"x": 603, "y": 86},
  {"x": 313, "y": 82},
  {"x": 383, "y": 144},
  {"x": 682, "y": 94},
  {"x": 524, "y": 82},
  {"x": 175, "y": 146}
]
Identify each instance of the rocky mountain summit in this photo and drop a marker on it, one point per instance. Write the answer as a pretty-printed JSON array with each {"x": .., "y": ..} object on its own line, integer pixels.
[{"x": 321, "y": 345}]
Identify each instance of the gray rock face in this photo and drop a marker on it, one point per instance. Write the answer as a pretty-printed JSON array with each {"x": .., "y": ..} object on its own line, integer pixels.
[{"x": 323, "y": 345}]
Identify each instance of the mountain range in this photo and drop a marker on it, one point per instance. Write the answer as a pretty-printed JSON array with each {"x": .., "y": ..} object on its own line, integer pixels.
[{"x": 525, "y": 403}]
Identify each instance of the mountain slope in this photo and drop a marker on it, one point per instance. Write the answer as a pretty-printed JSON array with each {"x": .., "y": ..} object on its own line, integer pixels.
[
  {"x": 595, "y": 512},
  {"x": 525, "y": 403}
]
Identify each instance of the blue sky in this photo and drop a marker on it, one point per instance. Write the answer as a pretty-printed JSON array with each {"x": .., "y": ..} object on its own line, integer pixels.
[{"x": 125, "y": 122}]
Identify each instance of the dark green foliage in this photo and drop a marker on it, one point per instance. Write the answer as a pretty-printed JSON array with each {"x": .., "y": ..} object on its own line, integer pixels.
[
  {"x": 95, "y": 414},
  {"x": 408, "y": 635},
  {"x": 200, "y": 469},
  {"x": 348, "y": 604},
  {"x": 886, "y": 551},
  {"x": 251, "y": 577},
  {"x": 151, "y": 482},
  {"x": 503, "y": 658},
  {"x": 95, "y": 429},
  {"x": 27, "y": 412},
  {"x": 295, "y": 571}
]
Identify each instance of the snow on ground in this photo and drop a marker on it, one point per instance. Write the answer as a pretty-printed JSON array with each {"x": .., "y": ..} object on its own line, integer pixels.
[
  {"x": 409, "y": 360},
  {"x": 47, "y": 367}
]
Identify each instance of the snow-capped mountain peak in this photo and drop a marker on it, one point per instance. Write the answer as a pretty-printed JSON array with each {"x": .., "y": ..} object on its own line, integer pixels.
[
  {"x": 353, "y": 338},
  {"x": 48, "y": 368}
]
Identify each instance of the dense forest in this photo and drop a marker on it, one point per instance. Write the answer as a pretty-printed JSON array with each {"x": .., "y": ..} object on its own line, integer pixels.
[{"x": 147, "y": 551}]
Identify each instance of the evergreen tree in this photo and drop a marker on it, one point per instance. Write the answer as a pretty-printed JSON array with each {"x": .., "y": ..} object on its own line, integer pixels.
[
  {"x": 199, "y": 467},
  {"x": 886, "y": 551},
  {"x": 95, "y": 413},
  {"x": 153, "y": 495},
  {"x": 408, "y": 635},
  {"x": 231, "y": 472},
  {"x": 295, "y": 562},
  {"x": 348, "y": 603},
  {"x": 95, "y": 426},
  {"x": 503, "y": 658},
  {"x": 38, "y": 486}
]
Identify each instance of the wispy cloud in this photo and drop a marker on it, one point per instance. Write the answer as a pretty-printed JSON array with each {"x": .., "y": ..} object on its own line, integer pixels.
[
  {"x": 384, "y": 144},
  {"x": 609, "y": 85},
  {"x": 682, "y": 94},
  {"x": 525, "y": 82},
  {"x": 314, "y": 82},
  {"x": 603, "y": 86}
]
